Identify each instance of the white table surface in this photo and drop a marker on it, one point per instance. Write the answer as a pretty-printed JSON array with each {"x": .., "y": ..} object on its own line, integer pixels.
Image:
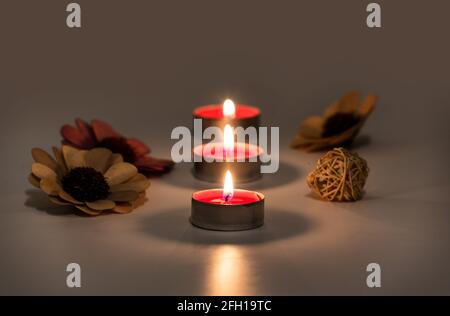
[{"x": 306, "y": 246}]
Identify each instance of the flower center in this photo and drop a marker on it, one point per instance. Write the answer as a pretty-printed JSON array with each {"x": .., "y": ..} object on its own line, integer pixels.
[
  {"x": 119, "y": 145},
  {"x": 339, "y": 123},
  {"x": 85, "y": 184}
]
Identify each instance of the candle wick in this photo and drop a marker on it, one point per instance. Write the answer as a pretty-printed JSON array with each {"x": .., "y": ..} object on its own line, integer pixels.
[{"x": 227, "y": 197}]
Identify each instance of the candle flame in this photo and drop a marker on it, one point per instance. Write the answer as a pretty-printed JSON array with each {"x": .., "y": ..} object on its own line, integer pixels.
[
  {"x": 228, "y": 140},
  {"x": 228, "y": 109},
  {"x": 228, "y": 189}
]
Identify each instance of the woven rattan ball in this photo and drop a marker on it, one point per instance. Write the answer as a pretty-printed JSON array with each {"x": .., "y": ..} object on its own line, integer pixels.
[{"x": 339, "y": 175}]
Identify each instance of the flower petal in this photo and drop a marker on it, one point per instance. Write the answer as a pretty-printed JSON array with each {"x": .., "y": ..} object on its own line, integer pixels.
[
  {"x": 41, "y": 156},
  {"x": 56, "y": 200},
  {"x": 101, "y": 205},
  {"x": 116, "y": 158},
  {"x": 350, "y": 101},
  {"x": 123, "y": 196},
  {"x": 138, "y": 147},
  {"x": 74, "y": 137},
  {"x": 137, "y": 186},
  {"x": 67, "y": 197},
  {"x": 49, "y": 186},
  {"x": 103, "y": 130},
  {"x": 123, "y": 208},
  {"x": 34, "y": 180},
  {"x": 88, "y": 210},
  {"x": 312, "y": 127},
  {"x": 119, "y": 173},
  {"x": 367, "y": 106},
  {"x": 140, "y": 200},
  {"x": 98, "y": 158},
  {"x": 138, "y": 177},
  {"x": 347, "y": 104},
  {"x": 87, "y": 132},
  {"x": 153, "y": 166},
  {"x": 60, "y": 159},
  {"x": 43, "y": 172},
  {"x": 331, "y": 110},
  {"x": 73, "y": 157}
]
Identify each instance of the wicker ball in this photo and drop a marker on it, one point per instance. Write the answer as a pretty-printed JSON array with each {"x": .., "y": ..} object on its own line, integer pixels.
[{"x": 339, "y": 175}]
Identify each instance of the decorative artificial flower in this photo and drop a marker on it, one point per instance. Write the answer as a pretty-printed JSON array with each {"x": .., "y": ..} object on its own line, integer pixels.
[
  {"x": 94, "y": 181},
  {"x": 101, "y": 134},
  {"x": 338, "y": 126}
]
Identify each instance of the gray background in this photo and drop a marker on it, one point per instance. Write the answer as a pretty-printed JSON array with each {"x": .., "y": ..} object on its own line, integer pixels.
[{"x": 144, "y": 65}]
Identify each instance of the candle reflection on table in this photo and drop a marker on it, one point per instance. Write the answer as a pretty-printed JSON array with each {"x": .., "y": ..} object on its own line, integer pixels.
[{"x": 228, "y": 272}]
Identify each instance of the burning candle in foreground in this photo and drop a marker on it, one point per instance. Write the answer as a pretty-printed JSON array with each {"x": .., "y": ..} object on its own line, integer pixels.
[
  {"x": 228, "y": 113},
  {"x": 227, "y": 209},
  {"x": 211, "y": 160}
]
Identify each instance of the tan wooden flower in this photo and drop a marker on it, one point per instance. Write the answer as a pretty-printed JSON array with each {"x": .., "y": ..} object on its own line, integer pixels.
[
  {"x": 94, "y": 181},
  {"x": 339, "y": 124}
]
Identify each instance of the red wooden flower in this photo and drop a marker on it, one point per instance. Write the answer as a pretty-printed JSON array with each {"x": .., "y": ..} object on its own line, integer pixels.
[{"x": 100, "y": 134}]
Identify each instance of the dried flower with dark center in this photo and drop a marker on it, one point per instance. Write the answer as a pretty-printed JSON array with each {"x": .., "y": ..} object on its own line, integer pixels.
[
  {"x": 85, "y": 184},
  {"x": 338, "y": 123},
  {"x": 94, "y": 181},
  {"x": 119, "y": 145}
]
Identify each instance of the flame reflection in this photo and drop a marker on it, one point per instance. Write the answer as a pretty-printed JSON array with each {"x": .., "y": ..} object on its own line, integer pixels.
[{"x": 228, "y": 272}]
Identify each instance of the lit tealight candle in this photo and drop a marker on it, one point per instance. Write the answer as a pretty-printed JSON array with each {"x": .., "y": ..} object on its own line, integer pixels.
[
  {"x": 228, "y": 113},
  {"x": 211, "y": 160},
  {"x": 227, "y": 209}
]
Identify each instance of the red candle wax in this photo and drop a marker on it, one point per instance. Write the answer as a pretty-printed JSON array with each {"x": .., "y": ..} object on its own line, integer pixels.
[
  {"x": 215, "y": 111},
  {"x": 218, "y": 151},
  {"x": 215, "y": 196}
]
